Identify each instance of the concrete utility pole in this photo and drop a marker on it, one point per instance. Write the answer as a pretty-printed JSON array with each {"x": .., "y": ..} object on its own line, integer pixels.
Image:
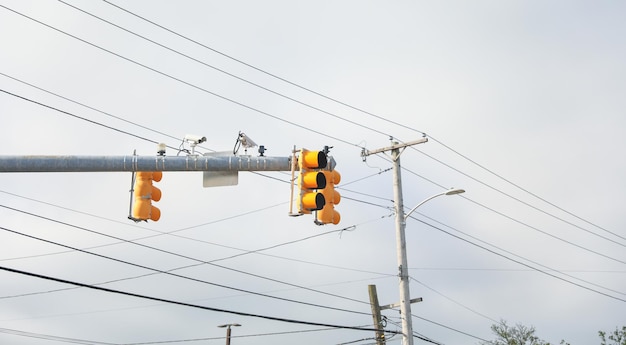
[{"x": 403, "y": 272}]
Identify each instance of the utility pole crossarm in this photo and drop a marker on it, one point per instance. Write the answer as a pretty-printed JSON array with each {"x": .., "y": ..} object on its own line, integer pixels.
[
  {"x": 142, "y": 163},
  {"x": 396, "y": 305},
  {"x": 395, "y": 146}
]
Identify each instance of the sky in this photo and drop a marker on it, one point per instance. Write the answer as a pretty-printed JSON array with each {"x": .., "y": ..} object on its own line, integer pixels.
[{"x": 522, "y": 103}]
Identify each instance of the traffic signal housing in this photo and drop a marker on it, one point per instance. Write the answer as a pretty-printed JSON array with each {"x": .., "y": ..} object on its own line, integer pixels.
[
  {"x": 143, "y": 194},
  {"x": 310, "y": 180},
  {"x": 328, "y": 214}
]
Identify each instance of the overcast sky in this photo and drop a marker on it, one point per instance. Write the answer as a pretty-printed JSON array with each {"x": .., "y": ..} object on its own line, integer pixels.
[{"x": 522, "y": 103}]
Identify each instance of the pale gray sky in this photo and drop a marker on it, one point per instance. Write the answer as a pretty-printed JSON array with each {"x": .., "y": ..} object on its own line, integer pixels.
[{"x": 523, "y": 103}]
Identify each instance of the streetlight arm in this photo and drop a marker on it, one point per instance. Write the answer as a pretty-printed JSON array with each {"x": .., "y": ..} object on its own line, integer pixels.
[{"x": 448, "y": 192}]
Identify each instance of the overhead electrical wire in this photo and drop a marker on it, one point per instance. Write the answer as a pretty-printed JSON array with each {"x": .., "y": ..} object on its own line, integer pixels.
[
  {"x": 548, "y": 269},
  {"x": 199, "y": 88},
  {"x": 488, "y": 208},
  {"x": 232, "y": 337},
  {"x": 546, "y": 272},
  {"x": 227, "y": 99},
  {"x": 200, "y": 262},
  {"x": 224, "y": 71},
  {"x": 455, "y": 301},
  {"x": 76, "y": 116},
  {"x": 473, "y": 243},
  {"x": 315, "y": 236},
  {"x": 519, "y": 221},
  {"x": 256, "y": 251},
  {"x": 592, "y": 224},
  {"x": 90, "y": 121},
  {"x": 52, "y": 337},
  {"x": 520, "y": 200},
  {"x": 163, "y": 300},
  {"x": 290, "y": 121},
  {"x": 94, "y": 109},
  {"x": 385, "y": 119},
  {"x": 179, "y": 275}
]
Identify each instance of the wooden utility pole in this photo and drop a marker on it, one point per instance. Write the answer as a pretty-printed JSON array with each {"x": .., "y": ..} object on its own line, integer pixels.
[{"x": 378, "y": 322}]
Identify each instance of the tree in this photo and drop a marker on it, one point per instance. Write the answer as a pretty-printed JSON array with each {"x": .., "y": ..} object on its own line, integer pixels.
[
  {"x": 517, "y": 335},
  {"x": 618, "y": 337}
]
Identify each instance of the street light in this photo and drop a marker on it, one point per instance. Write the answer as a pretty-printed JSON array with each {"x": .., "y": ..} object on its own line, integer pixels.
[
  {"x": 451, "y": 191},
  {"x": 228, "y": 330},
  {"x": 405, "y": 297}
]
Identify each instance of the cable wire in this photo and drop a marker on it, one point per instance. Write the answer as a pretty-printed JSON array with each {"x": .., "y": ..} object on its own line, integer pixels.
[
  {"x": 163, "y": 300},
  {"x": 199, "y": 88},
  {"x": 386, "y": 119},
  {"x": 224, "y": 71},
  {"x": 519, "y": 262},
  {"x": 179, "y": 275}
]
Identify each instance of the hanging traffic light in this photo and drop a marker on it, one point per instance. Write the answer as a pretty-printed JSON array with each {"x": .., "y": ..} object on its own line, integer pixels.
[
  {"x": 144, "y": 193},
  {"x": 328, "y": 214},
  {"x": 309, "y": 180}
]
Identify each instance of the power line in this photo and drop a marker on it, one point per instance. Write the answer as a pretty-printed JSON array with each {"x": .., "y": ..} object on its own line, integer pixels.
[
  {"x": 521, "y": 222},
  {"x": 202, "y": 262},
  {"x": 76, "y": 116},
  {"x": 519, "y": 200},
  {"x": 182, "y": 81},
  {"x": 386, "y": 119},
  {"x": 519, "y": 262},
  {"x": 252, "y": 66},
  {"x": 224, "y": 71},
  {"x": 493, "y": 210},
  {"x": 547, "y": 269},
  {"x": 163, "y": 300},
  {"x": 292, "y": 123},
  {"x": 527, "y": 191},
  {"x": 544, "y": 232},
  {"x": 180, "y": 276},
  {"x": 51, "y": 337},
  {"x": 454, "y": 301}
]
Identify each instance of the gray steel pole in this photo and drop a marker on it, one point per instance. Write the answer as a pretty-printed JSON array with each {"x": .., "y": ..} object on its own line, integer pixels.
[
  {"x": 405, "y": 298},
  {"x": 142, "y": 163}
]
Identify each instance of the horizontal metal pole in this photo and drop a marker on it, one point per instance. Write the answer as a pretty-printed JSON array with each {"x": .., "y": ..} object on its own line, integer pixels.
[{"x": 142, "y": 163}]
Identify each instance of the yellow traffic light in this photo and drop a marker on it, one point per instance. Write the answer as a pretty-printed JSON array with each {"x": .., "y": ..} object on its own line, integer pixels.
[
  {"x": 144, "y": 193},
  {"x": 328, "y": 214},
  {"x": 310, "y": 179}
]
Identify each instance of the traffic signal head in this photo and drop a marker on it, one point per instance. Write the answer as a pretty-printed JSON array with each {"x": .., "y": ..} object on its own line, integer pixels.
[
  {"x": 328, "y": 214},
  {"x": 144, "y": 193},
  {"x": 310, "y": 179}
]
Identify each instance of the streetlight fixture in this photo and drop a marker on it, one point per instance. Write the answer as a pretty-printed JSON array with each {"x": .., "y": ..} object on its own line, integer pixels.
[
  {"x": 451, "y": 191},
  {"x": 227, "y": 326}
]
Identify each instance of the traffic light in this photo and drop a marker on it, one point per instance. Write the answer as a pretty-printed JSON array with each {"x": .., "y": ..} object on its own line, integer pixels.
[
  {"x": 310, "y": 179},
  {"x": 144, "y": 193},
  {"x": 328, "y": 214}
]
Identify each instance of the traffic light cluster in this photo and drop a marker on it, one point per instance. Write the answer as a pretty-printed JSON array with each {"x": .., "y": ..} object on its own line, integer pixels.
[
  {"x": 144, "y": 192},
  {"x": 316, "y": 187}
]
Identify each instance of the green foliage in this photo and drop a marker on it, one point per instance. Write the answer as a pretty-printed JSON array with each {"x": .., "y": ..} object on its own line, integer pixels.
[
  {"x": 514, "y": 335},
  {"x": 522, "y": 335},
  {"x": 618, "y": 337}
]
